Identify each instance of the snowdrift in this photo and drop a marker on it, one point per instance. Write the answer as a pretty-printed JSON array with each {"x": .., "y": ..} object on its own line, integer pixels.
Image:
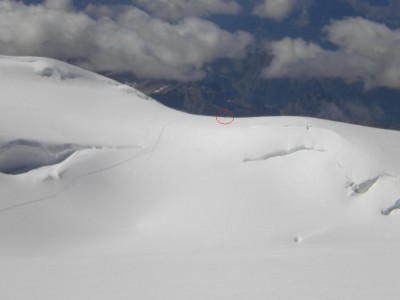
[{"x": 93, "y": 172}]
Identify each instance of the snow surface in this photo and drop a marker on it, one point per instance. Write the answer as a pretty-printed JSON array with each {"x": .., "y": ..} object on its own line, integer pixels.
[{"x": 106, "y": 194}]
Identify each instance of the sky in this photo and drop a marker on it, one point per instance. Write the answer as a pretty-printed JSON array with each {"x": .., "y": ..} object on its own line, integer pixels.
[{"x": 179, "y": 39}]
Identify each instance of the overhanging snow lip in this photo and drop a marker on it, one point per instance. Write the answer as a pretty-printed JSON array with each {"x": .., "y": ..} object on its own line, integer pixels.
[{"x": 22, "y": 156}]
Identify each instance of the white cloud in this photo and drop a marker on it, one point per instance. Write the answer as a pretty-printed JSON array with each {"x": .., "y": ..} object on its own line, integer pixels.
[
  {"x": 353, "y": 112},
  {"x": 178, "y": 9},
  {"x": 366, "y": 51},
  {"x": 59, "y": 4},
  {"x": 275, "y": 9},
  {"x": 121, "y": 40},
  {"x": 287, "y": 53}
]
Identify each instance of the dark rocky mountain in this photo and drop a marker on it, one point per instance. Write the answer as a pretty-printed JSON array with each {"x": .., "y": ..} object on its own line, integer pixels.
[{"x": 238, "y": 85}]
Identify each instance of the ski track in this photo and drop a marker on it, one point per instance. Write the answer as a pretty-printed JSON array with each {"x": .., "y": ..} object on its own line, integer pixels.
[
  {"x": 62, "y": 190},
  {"x": 150, "y": 150}
]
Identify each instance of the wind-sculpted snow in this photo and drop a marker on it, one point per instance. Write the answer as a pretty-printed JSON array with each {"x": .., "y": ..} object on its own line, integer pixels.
[
  {"x": 48, "y": 67},
  {"x": 59, "y": 71},
  {"x": 48, "y": 71},
  {"x": 107, "y": 195},
  {"x": 289, "y": 140},
  {"x": 283, "y": 153},
  {"x": 80, "y": 157},
  {"x": 21, "y": 156},
  {"x": 392, "y": 208},
  {"x": 364, "y": 186}
]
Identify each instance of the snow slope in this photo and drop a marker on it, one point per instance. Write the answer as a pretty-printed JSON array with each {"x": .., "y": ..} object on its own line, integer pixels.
[{"x": 106, "y": 194}]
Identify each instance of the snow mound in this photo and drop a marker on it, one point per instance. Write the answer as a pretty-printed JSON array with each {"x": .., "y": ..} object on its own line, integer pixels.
[
  {"x": 48, "y": 67},
  {"x": 60, "y": 71},
  {"x": 54, "y": 72}
]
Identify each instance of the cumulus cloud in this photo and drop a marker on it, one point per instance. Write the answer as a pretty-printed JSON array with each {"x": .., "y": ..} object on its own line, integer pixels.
[
  {"x": 332, "y": 112},
  {"x": 289, "y": 56},
  {"x": 59, "y": 4},
  {"x": 366, "y": 51},
  {"x": 120, "y": 40},
  {"x": 275, "y": 9},
  {"x": 178, "y": 9},
  {"x": 353, "y": 112}
]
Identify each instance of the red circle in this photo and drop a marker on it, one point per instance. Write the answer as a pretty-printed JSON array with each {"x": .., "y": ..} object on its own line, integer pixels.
[{"x": 225, "y": 111}]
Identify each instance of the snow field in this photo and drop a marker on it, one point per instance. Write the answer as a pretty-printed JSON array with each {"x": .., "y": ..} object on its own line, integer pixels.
[{"x": 107, "y": 194}]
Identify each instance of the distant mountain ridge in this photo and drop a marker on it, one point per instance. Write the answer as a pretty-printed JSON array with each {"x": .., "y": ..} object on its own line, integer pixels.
[{"x": 238, "y": 85}]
